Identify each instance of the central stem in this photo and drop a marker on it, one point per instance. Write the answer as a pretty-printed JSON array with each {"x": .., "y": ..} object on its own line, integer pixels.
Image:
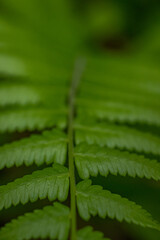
[{"x": 78, "y": 70}]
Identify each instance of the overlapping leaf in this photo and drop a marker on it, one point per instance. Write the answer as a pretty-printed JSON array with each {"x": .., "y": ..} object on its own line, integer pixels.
[
  {"x": 48, "y": 147},
  {"x": 50, "y": 182},
  {"x": 51, "y": 221},
  {"x": 122, "y": 137},
  {"x": 92, "y": 200},
  {"x": 31, "y": 119},
  {"x": 91, "y": 160},
  {"x": 120, "y": 111}
]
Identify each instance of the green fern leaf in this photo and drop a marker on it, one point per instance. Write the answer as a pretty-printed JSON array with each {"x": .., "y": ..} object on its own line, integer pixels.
[
  {"x": 24, "y": 93},
  {"x": 52, "y": 182},
  {"x": 90, "y": 91},
  {"x": 50, "y": 222},
  {"x": 93, "y": 200},
  {"x": 92, "y": 159},
  {"x": 17, "y": 95},
  {"x": 49, "y": 147},
  {"x": 119, "y": 111},
  {"x": 31, "y": 119},
  {"x": 87, "y": 233},
  {"x": 124, "y": 74},
  {"x": 117, "y": 136}
]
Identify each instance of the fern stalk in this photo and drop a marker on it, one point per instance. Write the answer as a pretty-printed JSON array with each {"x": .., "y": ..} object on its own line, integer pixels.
[{"x": 78, "y": 71}]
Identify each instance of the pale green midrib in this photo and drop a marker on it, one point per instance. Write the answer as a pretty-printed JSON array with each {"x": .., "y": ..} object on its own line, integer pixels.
[{"x": 77, "y": 73}]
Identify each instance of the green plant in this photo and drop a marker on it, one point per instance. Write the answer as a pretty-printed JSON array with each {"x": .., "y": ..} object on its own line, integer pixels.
[{"x": 89, "y": 114}]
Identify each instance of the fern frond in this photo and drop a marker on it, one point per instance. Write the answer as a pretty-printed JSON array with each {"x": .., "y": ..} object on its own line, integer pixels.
[
  {"x": 92, "y": 159},
  {"x": 31, "y": 119},
  {"x": 50, "y": 222},
  {"x": 49, "y": 147},
  {"x": 117, "y": 136},
  {"x": 93, "y": 200},
  {"x": 52, "y": 182},
  {"x": 119, "y": 111},
  {"x": 39, "y": 43},
  {"x": 87, "y": 233}
]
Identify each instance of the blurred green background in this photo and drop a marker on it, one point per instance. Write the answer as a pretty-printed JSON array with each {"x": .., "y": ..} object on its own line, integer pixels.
[{"x": 126, "y": 26}]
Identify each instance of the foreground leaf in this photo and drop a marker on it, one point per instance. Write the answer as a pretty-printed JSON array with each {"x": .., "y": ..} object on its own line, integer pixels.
[
  {"x": 91, "y": 160},
  {"x": 93, "y": 200},
  {"x": 31, "y": 119},
  {"x": 117, "y": 136},
  {"x": 50, "y": 222},
  {"x": 50, "y": 182},
  {"x": 49, "y": 147}
]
